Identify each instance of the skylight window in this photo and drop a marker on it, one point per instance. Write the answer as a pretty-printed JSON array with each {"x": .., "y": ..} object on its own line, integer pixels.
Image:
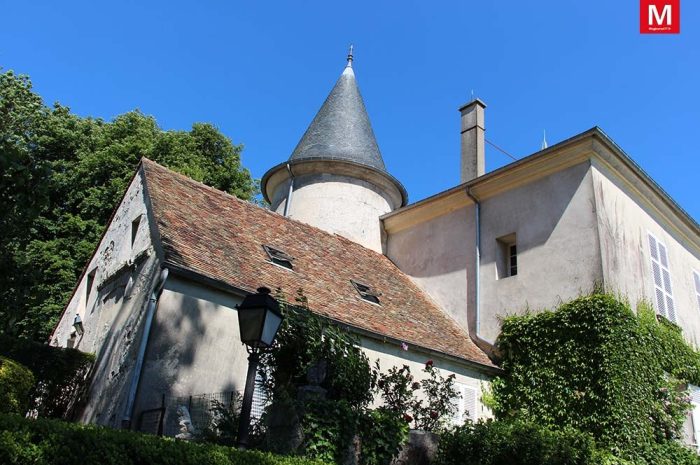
[
  {"x": 366, "y": 292},
  {"x": 279, "y": 258}
]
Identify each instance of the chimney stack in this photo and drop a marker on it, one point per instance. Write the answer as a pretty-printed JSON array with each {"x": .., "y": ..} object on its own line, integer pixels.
[{"x": 473, "y": 160}]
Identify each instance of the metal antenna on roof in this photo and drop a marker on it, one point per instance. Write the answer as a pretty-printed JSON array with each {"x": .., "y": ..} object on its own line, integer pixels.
[
  {"x": 544, "y": 140},
  {"x": 350, "y": 57}
]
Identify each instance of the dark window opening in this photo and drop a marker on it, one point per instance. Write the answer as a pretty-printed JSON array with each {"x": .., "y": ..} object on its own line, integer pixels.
[
  {"x": 89, "y": 284},
  {"x": 135, "y": 229},
  {"x": 366, "y": 292},
  {"x": 279, "y": 258}
]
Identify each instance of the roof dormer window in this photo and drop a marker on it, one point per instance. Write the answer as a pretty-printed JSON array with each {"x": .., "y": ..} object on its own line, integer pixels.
[
  {"x": 279, "y": 258},
  {"x": 366, "y": 292}
]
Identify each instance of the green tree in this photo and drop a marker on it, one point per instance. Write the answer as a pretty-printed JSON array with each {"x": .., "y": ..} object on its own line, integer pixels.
[{"x": 61, "y": 175}]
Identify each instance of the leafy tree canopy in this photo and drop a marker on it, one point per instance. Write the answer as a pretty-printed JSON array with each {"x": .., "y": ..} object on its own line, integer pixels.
[{"x": 61, "y": 175}]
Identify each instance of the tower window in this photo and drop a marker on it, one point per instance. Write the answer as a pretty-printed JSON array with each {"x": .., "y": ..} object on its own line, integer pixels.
[
  {"x": 279, "y": 258},
  {"x": 366, "y": 292},
  {"x": 506, "y": 256}
]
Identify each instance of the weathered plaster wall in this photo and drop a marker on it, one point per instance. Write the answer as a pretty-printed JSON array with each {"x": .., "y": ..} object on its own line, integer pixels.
[
  {"x": 391, "y": 355},
  {"x": 625, "y": 222},
  {"x": 554, "y": 223},
  {"x": 343, "y": 205},
  {"x": 436, "y": 254},
  {"x": 195, "y": 345},
  {"x": 113, "y": 309},
  {"x": 556, "y": 232}
]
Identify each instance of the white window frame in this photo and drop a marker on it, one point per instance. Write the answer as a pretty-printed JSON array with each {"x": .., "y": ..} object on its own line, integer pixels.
[{"x": 661, "y": 278}]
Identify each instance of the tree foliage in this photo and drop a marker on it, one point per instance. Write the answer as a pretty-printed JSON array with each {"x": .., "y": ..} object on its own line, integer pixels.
[
  {"x": 595, "y": 366},
  {"x": 61, "y": 175}
]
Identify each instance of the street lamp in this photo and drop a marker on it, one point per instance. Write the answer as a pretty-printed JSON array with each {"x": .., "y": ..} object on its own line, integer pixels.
[{"x": 259, "y": 318}]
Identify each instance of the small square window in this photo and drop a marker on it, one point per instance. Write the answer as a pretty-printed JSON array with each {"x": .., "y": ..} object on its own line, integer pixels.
[
  {"x": 279, "y": 258},
  {"x": 506, "y": 256},
  {"x": 366, "y": 292}
]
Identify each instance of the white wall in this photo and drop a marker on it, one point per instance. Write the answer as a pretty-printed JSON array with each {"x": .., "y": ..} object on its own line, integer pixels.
[
  {"x": 624, "y": 227},
  {"x": 112, "y": 312}
]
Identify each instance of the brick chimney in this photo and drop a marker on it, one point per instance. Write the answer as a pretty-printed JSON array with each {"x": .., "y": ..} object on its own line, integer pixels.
[{"x": 473, "y": 162}]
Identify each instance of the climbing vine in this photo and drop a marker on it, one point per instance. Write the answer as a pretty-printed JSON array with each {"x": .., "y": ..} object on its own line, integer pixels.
[{"x": 596, "y": 366}]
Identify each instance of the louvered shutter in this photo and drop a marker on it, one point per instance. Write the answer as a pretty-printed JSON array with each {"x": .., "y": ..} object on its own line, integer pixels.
[
  {"x": 694, "y": 392},
  {"x": 663, "y": 292},
  {"x": 465, "y": 404},
  {"x": 696, "y": 279}
]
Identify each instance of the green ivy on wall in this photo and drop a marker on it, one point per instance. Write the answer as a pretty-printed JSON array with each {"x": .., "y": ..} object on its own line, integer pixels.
[{"x": 596, "y": 366}]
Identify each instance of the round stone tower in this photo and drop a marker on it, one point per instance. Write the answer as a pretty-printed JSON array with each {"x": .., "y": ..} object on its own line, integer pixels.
[{"x": 336, "y": 179}]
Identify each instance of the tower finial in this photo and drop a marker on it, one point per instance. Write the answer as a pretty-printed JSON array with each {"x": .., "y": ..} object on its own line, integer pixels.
[
  {"x": 544, "y": 140},
  {"x": 349, "y": 65}
]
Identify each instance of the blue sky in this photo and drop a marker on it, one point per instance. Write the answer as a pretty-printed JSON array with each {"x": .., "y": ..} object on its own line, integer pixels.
[{"x": 260, "y": 71}]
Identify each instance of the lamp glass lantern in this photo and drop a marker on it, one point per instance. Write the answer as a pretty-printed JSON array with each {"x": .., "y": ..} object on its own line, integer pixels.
[
  {"x": 259, "y": 319},
  {"x": 78, "y": 325}
]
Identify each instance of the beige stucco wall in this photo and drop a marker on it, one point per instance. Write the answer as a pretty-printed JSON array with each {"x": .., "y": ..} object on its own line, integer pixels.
[
  {"x": 195, "y": 345},
  {"x": 556, "y": 232},
  {"x": 343, "y": 205},
  {"x": 436, "y": 254},
  {"x": 195, "y": 349},
  {"x": 113, "y": 314},
  {"x": 624, "y": 223},
  {"x": 554, "y": 221}
]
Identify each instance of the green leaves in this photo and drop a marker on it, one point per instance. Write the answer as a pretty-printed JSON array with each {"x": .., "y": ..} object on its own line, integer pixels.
[
  {"x": 61, "y": 176},
  {"x": 596, "y": 366}
]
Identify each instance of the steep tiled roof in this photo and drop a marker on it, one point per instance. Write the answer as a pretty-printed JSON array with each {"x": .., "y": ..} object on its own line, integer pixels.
[{"x": 220, "y": 237}]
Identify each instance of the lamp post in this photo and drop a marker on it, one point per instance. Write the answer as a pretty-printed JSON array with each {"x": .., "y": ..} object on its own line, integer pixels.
[{"x": 259, "y": 318}]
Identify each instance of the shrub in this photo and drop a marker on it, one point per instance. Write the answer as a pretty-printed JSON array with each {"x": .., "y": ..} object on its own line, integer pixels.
[
  {"x": 16, "y": 382},
  {"x": 53, "y": 442},
  {"x": 60, "y": 374},
  {"x": 514, "y": 443},
  {"x": 430, "y": 411}
]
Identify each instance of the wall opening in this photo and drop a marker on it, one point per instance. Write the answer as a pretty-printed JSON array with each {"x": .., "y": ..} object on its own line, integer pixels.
[{"x": 506, "y": 256}]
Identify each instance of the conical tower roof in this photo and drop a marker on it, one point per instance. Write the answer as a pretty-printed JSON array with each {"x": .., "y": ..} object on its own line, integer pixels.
[{"x": 341, "y": 128}]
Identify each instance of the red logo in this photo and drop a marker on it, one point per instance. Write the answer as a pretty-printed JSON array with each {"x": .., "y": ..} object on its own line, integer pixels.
[{"x": 660, "y": 16}]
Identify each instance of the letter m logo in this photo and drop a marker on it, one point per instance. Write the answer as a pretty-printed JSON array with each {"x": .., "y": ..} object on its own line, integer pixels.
[{"x": 659, "y": 16}]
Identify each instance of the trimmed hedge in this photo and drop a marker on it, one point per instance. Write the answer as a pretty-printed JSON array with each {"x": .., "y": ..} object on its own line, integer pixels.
[
  {"x": 16, "y": 381},
  {"x": 514, "y": 443},
  {"x": 60, "y": 374},
  {"x": 53, "y": 442}
]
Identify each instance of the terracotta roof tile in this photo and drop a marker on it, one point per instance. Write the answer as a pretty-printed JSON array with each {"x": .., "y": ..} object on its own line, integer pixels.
[{"x": 216, "y": 235}]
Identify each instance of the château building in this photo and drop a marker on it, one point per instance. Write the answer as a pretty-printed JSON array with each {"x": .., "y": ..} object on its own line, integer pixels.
[{"x": 415, "y": 281}]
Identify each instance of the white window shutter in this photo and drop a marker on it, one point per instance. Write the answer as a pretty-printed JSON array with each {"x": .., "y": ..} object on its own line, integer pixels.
[
  {"x": 466, "y": 404},
  {"x": 696, "y": 279},
  {"x": 694, "y": 392},
  {"x": 661, "y": 273}
]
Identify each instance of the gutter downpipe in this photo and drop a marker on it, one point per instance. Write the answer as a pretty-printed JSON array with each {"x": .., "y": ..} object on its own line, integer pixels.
[
  {"x": 289, "y": 194},
  {"x": 484, "y": 344},
  {"x": 136, "y": 377}
]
